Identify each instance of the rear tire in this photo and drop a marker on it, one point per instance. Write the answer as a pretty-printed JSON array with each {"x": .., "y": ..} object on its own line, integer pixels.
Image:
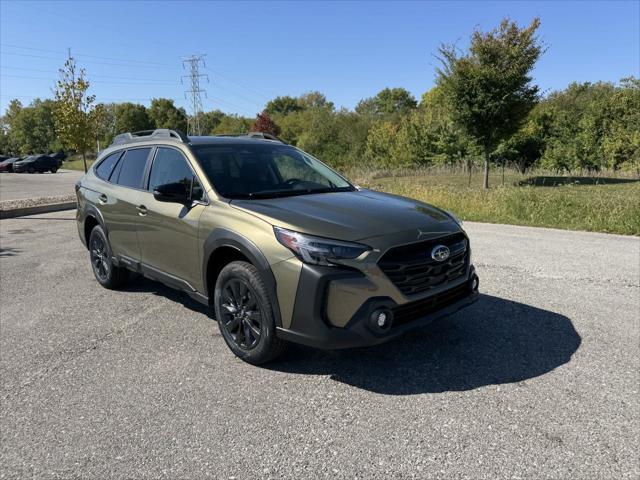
[
  {"x": 54, "y": 169},
  {"x": 245, "y": 315},
  {"x": 106, "y": 273}
]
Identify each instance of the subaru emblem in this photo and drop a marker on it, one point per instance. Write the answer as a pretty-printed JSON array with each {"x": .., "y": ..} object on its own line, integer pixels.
[{"x": 440, "y": 253}]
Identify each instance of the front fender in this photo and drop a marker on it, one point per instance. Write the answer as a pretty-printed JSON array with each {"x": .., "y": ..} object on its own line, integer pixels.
[{"x": 223, "y": 237}]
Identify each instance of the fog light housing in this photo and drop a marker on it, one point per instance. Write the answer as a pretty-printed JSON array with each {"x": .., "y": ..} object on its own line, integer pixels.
[
  {"x": 475, "y": 283},
  {"x": 381, "y": 320}
]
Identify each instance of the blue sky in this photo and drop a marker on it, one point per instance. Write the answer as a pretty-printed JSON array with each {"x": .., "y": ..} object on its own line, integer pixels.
[{"x": 255, "y": 51}]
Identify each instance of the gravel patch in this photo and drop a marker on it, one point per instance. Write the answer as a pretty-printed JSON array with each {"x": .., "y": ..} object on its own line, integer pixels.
[{"x": 35, "y": 202}]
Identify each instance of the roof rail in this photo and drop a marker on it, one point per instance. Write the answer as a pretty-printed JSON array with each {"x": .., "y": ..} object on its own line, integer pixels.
[
  {"x": 266, "y": 136},
  {"x": 131, "y": 137}
]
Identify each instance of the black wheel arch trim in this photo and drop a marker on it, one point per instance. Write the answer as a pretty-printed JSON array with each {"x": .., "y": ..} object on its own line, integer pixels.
[
  {"x": 223, "y": 237},
  {"x": 92, "y": 211}
]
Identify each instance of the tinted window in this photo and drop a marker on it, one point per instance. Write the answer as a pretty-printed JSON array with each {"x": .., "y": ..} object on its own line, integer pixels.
[
  {"x": 170, "y": 166},
  {"x": 132, "y": 168},
  {"x": 104, "y": 169},
  {"x": 266, "y": 170}
]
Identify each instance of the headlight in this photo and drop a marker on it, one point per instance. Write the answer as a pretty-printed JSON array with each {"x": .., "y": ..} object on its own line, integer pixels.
[
  {"x": 454, "y": 218},
  {"x": 318, "y": 250}
]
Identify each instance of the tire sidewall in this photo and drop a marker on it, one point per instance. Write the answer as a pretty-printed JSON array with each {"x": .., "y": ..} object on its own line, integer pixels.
[
  {"x": 249, "y": 274},
  {"x": 97, "y": 230}
]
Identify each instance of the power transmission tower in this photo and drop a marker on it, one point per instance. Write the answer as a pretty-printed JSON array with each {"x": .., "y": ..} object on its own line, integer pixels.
[{"x": 192, "y": 64}]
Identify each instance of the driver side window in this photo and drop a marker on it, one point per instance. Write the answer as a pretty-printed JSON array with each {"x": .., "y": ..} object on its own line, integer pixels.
[
  {"x": 170, "y": 166},
  {"x": 294, "y": 168}
]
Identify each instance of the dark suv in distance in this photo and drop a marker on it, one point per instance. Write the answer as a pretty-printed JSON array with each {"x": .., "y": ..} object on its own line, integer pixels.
[
  {"x": 37, "y": 163},
  {"x": 282, "y": 248}
]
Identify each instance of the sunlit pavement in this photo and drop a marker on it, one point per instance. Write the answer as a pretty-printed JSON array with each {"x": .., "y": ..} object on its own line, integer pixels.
[{"x": 539, "y": 379}]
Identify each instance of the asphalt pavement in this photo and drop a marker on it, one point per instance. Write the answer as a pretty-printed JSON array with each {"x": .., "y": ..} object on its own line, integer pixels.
[
  {"x": 18, "y": 186},
  {"x": 538, "y": 379}
]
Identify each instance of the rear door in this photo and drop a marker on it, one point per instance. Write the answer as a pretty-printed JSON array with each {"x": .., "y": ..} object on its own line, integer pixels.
[
  {"x": 168, "y": 232},
  {"x": 120, "y": 198}
]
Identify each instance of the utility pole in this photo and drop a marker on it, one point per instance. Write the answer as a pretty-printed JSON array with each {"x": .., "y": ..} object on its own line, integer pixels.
[{"x": 192, "y": 64}]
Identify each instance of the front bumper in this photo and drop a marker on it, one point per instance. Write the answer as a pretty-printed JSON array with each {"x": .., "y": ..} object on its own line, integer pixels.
[{"x": 310, "y": 324}]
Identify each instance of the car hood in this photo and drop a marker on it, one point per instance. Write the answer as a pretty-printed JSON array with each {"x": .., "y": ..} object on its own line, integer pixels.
[{"x": 351, "y": 216}]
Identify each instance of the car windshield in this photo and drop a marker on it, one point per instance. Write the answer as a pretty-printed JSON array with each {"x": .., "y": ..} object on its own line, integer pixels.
[{"x": 266, "y": 171}]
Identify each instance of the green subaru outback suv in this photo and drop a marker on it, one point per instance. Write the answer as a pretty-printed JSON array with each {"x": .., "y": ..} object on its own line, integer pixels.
[{"x": 281, "y": 247}]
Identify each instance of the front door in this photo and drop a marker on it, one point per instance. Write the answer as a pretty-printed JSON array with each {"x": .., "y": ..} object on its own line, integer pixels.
[{"x": 168, "y": 232}]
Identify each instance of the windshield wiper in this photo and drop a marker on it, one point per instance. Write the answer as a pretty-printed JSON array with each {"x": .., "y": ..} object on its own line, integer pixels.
[{"x": 286, "y": 193}]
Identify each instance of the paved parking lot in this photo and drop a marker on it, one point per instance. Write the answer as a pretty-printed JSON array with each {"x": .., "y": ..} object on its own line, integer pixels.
[
  {"x": 539, "y": 379},
  {"x": 18, "y": 186}
]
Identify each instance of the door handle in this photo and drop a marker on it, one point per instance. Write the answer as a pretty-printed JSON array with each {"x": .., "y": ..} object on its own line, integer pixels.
[
  {"x": 142, "y": 210},
  {"x": 103, "y": 198}
]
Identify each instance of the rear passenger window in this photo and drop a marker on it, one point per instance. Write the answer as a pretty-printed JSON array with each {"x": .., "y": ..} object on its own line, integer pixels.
[
  {"x": 105, "y": 167},
  {"x": 132, "y": 167}
]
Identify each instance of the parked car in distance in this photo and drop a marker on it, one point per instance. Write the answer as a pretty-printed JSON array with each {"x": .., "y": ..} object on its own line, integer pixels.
[
  {"x": 7, "y": 165},
  {"x": 280, "y": 246},
  {"x": 37, "y": 163},
  {"x": 58, "y": 156}
]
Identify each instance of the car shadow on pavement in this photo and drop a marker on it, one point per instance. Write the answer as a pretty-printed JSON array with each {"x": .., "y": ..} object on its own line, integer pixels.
[
  {"x": 494, "y": 341},
  {"x": 142, "y": 284}
]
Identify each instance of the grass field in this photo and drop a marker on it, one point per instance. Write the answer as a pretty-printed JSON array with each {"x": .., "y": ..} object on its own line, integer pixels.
[
  {"x": 594, "y": 203},
  {"x": 75, "y": 163}
]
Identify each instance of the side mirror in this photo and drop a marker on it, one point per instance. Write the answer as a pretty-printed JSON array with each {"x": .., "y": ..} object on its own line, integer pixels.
[{"x": 172, "y": 192}]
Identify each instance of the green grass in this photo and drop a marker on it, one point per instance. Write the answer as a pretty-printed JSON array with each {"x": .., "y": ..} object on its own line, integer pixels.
[
  {"x": 593, "y": 203},
  {"x": 75, "y": 163}
]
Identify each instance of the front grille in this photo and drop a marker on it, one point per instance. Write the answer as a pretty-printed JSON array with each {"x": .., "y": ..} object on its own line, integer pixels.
[
  {"x": 412, "y": 270},
  {"x": 411, "y": 311}
]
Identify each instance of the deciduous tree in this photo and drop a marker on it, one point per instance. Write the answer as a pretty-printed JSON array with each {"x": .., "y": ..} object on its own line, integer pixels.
[
  {"x": 74, "y": 108},
  {"x": 388, "y": 102},
  {"x": 264, "y": 123},
  {"x": 164, "y": 114},
  {"x": 489, "y": 87},
  {"x": 283, "y": 105},
  {"x": 131, "y": 117}
]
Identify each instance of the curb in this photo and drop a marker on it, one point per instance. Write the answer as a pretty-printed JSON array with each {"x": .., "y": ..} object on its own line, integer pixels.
[{"x": 51, "y": 207}]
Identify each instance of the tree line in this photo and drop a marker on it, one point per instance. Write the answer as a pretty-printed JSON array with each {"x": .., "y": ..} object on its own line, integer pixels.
[{"x": 484, "y": 108}]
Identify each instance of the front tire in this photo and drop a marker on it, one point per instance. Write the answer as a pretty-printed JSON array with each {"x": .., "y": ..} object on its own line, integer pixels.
[
  {"x": 245, "y": 315},
  {"x": 31, "y": 170},
  {"x": 106, "y": 273},
  {"x": 54, "y": 169}
]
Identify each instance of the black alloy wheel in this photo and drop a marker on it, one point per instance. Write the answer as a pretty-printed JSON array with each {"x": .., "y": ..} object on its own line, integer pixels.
[
  {"x": 241, "y": 314},
  {"x": 100, "y": 261}
]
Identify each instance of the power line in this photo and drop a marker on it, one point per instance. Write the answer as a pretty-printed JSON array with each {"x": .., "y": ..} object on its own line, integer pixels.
[
  {"x": 118, "y": 59},
  {"x": 193, "y": 63},
  {"x": 92, "y": 75},
  {"x": 215, "y": 100},
  {"x": 152, "y": 82},
  {"x": 31, "y": 48},
  {"x": 235, "y": 82},
  {"x": 113, "y": 64},
  {"x": 157, "y": 64},
  {"x": 113, "y": 99},
  {"x": 143, "y": 64}
]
